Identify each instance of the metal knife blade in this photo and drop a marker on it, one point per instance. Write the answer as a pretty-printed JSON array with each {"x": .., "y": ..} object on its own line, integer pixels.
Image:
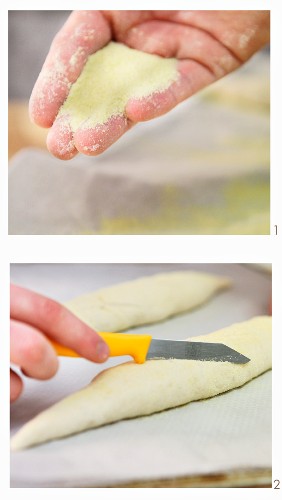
[
  {"x": 142, "y": 347},
  {"x": 202, "y": 351}
]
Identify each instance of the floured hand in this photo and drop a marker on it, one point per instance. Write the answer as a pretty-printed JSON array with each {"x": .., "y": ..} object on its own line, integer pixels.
[{"x": 206, "y": 44}]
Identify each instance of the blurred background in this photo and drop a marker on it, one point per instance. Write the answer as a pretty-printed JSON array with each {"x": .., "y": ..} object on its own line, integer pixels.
[
  {"x": 201, "y": 169},
  {"x": 30, "y": 35}
]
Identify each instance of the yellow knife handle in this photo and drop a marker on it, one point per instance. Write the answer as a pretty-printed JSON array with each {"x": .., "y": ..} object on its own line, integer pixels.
[{"x": 120, "y": 344}]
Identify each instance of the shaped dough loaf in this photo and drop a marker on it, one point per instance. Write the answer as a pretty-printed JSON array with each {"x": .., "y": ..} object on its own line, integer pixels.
[
  {"x": 131, "y": 390},
  {"x": 145, "y": 300}
]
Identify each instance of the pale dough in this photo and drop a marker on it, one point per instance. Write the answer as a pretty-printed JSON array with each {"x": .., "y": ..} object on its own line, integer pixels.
[
  {"x": 145, "y": 300},
  {"x": 131, "y": 390}
]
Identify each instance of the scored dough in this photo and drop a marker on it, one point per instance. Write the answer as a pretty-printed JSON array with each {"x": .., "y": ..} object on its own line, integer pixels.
[
  {"x": 145, "y": 300},
  {"x": 132, "y": 390}
]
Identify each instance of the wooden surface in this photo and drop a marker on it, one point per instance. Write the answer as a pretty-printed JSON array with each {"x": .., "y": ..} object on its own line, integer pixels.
[
  {"x": 241, "y": 479},
  {"x": 23, "y": 133}
]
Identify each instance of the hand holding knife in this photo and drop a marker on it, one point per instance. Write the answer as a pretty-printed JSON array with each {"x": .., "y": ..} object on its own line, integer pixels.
[{"x": 144, "y": 347}]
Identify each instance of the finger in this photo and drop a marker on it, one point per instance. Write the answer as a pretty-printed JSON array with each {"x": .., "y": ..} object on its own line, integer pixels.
[
  {"x": 170, "y": 40},
  {"x": 58, "y": 323},
  {"x": 121, "y": 21},
  {"x": 16, "y": 386},
  {"x": 244, "y": 32},
  {"x": 192, "y": 77},
  {"x": 60, "y": 140},
  {"x": 93, "y": 141},
  {"x": 202, "y": 60},
  {"x": 84, "y": 32},
  {"x": 30, "y": 350}
]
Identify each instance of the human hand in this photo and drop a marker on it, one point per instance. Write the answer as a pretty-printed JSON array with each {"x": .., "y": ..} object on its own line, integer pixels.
[
  {"x": 207, "y": 44},
  {"x": 34, "y": 319}
]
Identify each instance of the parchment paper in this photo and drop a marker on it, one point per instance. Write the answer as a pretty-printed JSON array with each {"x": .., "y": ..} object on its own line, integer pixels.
[
  {"x": 201, "y": 169},
  {"x": 229, "y": 432}
]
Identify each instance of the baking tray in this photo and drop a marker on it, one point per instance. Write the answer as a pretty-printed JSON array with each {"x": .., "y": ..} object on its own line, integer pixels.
[{"x": 228, "y": 436}]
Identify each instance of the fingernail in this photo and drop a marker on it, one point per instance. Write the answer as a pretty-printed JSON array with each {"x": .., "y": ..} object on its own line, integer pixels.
[{"x": 102, "y": 351}]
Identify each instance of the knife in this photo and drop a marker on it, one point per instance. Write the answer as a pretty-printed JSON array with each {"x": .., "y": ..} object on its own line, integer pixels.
[{"x": 143, "y": 347}]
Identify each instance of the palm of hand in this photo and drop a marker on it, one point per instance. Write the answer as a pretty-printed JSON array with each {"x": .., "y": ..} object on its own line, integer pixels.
[{"x": 207, "y": 44}]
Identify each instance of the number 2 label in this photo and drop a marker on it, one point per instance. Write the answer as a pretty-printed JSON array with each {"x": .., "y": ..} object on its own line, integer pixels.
[{"x": 277, "y": 484}]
